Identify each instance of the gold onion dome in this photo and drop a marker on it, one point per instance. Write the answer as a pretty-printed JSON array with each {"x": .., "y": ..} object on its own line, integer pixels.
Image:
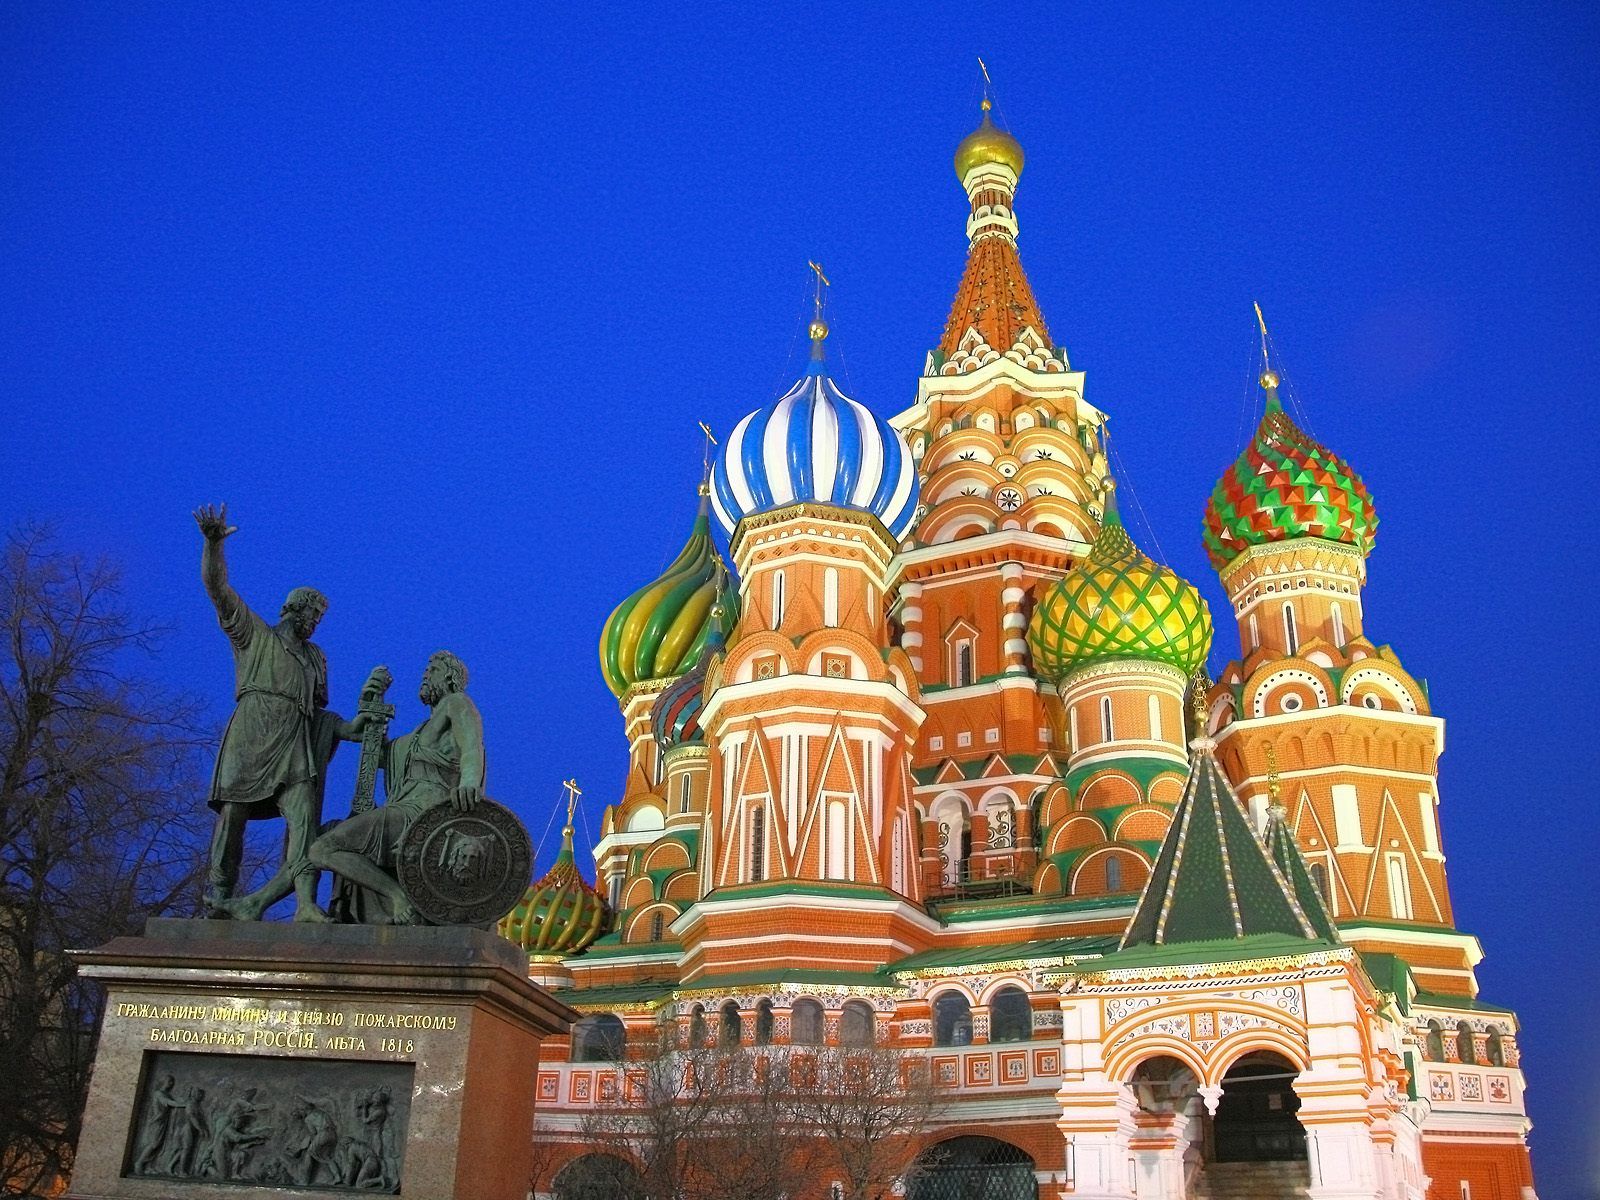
[
  {"x": 559, "y": 915},
  {"x": 988, "y": 144},
  {"x": 660, "y": 630},
  {"x": 1118, "y": 604}
]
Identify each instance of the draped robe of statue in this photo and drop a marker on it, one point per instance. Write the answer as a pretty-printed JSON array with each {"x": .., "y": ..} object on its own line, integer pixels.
[
  {"x": 418, "y": 775},
  {"x": 280, "y": 733}
]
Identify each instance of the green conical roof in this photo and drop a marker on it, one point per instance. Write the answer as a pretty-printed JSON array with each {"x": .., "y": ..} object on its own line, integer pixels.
[
  {"x": 1292, "y": 866},
  {"x": 1213, "y": 879}
]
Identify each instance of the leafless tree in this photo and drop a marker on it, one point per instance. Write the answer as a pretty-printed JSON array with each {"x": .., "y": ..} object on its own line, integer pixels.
[
  {"x": 99, "y": 829},
  {"x": 874, "y": 1109}
]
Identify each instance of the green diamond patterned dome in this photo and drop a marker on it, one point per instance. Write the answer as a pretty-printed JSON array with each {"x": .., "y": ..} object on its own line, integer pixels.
[
  {"x": 1286, "y": 485},
  {"x": 1118, "y": 604}
]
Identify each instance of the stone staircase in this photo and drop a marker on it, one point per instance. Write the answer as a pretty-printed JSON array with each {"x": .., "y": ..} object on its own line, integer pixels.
[{"x": 1252, "y": 1181}]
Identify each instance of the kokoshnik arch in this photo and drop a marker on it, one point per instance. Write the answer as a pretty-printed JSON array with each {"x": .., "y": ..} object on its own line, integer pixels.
[{"x": 939, "y": 772}]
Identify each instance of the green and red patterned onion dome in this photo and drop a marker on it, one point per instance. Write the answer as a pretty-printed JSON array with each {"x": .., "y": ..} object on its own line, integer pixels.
[
  {"x": 1116, "y": 604},
  {"x": 675, "y": 717},
  {"x": 1286, "y": 485},
  {"x": 660, "y": 630},
  {"x": 559, "y": 915}
]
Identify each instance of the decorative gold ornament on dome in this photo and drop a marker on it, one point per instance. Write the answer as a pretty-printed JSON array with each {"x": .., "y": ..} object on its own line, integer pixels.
[{"x": 987, "y": 143}]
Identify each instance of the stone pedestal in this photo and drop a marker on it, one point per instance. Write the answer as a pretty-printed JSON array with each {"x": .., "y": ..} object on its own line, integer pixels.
[{"x": 248, "y": 1059}]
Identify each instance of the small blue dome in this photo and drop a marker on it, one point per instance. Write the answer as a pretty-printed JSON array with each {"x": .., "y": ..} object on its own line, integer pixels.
[{"x": 815, "y": 443}]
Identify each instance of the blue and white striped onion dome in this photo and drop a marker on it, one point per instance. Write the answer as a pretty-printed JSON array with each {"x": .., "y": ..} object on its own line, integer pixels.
[{"x": 815, "y": 444}]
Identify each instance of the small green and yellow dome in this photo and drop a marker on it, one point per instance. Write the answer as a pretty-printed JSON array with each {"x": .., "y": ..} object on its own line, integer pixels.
[
  {"x": 659, "y": 631},
  {"x": 988, "y": 144},
  {"x": 1118, "y": 604},
  {"x": 559, "y": 915}
]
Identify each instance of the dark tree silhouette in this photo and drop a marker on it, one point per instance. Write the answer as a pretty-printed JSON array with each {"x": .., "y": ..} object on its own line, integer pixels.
[{"x": 101, "y": 826}]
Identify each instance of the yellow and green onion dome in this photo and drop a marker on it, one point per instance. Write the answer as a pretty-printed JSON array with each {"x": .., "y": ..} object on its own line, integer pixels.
[
  {"x": 1118, "y": 604},
  {"x": 559, "y": 915},
  {"x": 660, "y": 630},
  {"x": 1286, "y": 485}
]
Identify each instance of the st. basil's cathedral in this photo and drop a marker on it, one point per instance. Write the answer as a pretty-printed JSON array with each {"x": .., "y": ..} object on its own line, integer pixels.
[{"x": 931, "y": 761}]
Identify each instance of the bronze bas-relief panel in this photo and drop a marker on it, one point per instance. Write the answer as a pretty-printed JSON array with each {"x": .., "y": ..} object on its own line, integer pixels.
[{"x": 324, "y": 1124}]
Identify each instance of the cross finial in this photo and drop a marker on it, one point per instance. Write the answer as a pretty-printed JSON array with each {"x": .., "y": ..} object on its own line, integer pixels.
[
  {"x": 819, "y": 327},
  {"x": 573, "y": 792},
  {"x": 1269, "y": 377},
  {"x": 988, "y": 84},
  {"x": 1274, "y": 787},
  {"x": 1197, "y": 698},
  {"x": 705, "y": 465}
]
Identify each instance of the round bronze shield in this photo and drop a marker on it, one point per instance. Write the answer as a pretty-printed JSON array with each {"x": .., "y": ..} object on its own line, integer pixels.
[{"x": 465, "y": 868}]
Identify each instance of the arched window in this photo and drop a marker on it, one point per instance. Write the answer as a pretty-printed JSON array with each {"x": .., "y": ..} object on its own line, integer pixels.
[
  {"x": 964, "y": 668},
  {"x": 830, "y": 596},
  {"x": 856, "y": 1024},
  {"x": 657, "y": 926},
  {"x": 1338, "y": 625},
  {"x": 805, "y": 1023},
  {"x": 1497, "y": 1046},
  {"x": 1108, "y": 731},
  {"x": 777, "y": 599},
  {"x": 1113, "y": 874},
  {"x": 764, "y": 1023},
  {"x": 1255, "y": 632},
  {"x": 1319, "y": 876},
  {"x": 1435, "y": 1047},
  {"x": 758, "y": 844},
  {"x": 1466, "y": 1050},
  {"x": 697, "y": 1026},
  {"x": 1291, "y": 633},
  {"x": 1155, "y": 718},
  {"x": 616, "y": 892},
  {"x": 728, "y": 1025},
  {"x": 1010, "y": 1016},
  {"x": 597, "y": 1038},
  {"x": 952, "y": 1020},
  {"x": 683, "y": 792}
]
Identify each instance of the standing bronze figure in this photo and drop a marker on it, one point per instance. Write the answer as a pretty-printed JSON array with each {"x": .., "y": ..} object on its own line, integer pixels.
[{"x": 278, "y": 741}]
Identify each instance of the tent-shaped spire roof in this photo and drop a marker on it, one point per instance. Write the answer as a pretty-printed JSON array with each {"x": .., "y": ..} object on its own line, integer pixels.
[
  {"x": 1291, "y": 864},
  {"x": 1213, "y": 880}
]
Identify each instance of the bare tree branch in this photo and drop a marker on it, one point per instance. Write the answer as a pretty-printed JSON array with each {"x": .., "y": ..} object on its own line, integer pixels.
[{"x": 99, "y": 829}]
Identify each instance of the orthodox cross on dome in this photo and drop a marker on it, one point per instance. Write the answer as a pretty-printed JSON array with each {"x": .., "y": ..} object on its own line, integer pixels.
[
  {"x": 1274, "y": 782},
  {"x": 818, "y": 330},
  {"x": 573, "y": 792},
  {"x": 705, "y": 464},
  {"x": 1269, "y": 377}
]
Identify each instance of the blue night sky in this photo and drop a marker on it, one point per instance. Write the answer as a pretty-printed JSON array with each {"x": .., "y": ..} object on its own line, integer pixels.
[{"x": 435, "y": 299}]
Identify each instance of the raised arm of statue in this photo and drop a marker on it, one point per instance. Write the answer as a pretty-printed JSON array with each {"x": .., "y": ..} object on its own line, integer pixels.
[{"x": 214, "y": 527}]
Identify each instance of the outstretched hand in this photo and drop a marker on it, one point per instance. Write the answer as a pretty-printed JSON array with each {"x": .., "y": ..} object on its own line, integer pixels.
[
  {"x": 466, "y": 797},
  {"x": 213, "y": 522}
]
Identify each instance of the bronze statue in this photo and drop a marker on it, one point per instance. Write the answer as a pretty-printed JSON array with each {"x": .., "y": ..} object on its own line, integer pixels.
[
  {"x": 278, "y": 741},
  {"x": 440, "y": 762}
]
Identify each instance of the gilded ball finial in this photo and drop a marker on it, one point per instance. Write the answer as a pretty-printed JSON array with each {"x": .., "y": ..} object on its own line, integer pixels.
[
  {"x": 986, "y": 106},
  {"x": 1269, "y": 379},
  {"x": 817, "y": 330}
]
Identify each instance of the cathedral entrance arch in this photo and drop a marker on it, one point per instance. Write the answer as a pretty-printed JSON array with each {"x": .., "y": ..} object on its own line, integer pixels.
[
  {"x": 598, "y": 1177},
  {"x": 972, "y": 1167},
  {"x": 1256, "y": 1117}
]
